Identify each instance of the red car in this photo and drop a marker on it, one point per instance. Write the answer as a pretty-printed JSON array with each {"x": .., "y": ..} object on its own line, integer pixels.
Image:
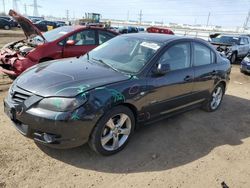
[
  {"x": 62, "y": 42},
  {"x": 162, "y": 30}
]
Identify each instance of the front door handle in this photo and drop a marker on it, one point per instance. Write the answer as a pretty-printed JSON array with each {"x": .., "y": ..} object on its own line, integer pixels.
[
  {"x": 214, "y": 72},
  {"x": 188, "y": 78}
]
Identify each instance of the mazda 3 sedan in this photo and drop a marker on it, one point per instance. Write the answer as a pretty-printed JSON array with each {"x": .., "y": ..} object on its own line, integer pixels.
[{"x": 101, "y": 97}]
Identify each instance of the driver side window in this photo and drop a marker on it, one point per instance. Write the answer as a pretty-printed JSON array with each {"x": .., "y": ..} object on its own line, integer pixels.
[
  {"x": 177, "y": 56},
  {"x": 86, "y": 37}
]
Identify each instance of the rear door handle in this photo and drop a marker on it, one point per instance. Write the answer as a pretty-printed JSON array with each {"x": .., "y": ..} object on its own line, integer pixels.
[{"x": 188, "y": 78}]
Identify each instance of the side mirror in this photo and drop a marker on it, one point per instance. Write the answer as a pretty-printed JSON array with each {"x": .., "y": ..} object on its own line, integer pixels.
[
  {"x": 70, "y": 43},
  {"x": 161, "y": 69}
]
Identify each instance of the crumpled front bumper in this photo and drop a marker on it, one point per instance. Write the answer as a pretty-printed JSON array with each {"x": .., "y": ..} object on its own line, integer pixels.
[{"x": 12, "y": 63}]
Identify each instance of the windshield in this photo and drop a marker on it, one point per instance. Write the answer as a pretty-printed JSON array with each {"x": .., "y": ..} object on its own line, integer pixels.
[
  {"x": 56, "y": 33},
  {"x": 226, "y": 39},
  {"x": 124, "y": 53}
]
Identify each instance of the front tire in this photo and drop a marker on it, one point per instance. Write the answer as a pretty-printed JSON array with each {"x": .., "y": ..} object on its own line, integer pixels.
[
  {"x": 214, "y": 102},
  {"x": 113, "y": 131}
]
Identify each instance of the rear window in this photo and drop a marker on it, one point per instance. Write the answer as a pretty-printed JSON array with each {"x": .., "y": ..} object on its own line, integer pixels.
[{"x": 57, "y": 33}]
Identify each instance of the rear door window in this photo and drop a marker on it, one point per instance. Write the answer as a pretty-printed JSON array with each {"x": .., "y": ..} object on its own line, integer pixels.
[{"x": 203, "y": 55}]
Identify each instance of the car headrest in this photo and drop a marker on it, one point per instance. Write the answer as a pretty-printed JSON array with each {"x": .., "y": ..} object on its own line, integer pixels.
[{"x": 176, "y": 52}]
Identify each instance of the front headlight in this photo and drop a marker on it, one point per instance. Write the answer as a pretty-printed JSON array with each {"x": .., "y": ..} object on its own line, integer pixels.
[
  {"x": 60, "y": 104},
  {"x": 247, "y": 60}
]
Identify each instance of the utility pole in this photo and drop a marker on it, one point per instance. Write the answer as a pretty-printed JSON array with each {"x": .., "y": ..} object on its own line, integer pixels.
[
  {"x": 127, "y": 16},
  {"x": 25, "y": 9},
  {"x": 67, "y": 15},
  {"x": 15, "y": 5},
  {"x": 3, "y": 6},
  {"x": 35, "y": 12},
  {"x": 140, "y": 17},
  {"x": 247, "y": 21},
  {"x": 208, "y": 17}
]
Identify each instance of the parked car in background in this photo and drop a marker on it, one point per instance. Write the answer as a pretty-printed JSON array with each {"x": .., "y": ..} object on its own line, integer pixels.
[
  {"x": 62, "y": 42},
  {"x": 128, "y": 29},
  {"x": 13, "y": 23},
  {"x": 60, "y": 23},
  {"x": 161, "y": 30},
  {"x": 245, "y": 64},
  {"x": 5, "y": 24},
  {"x": 45, "y": 25},
  {"x": 232, "y": 46},
  {"x": 35, "y": 19},
  {"x": 141, "y": 29},
  {"x": 101, "y": 97}
]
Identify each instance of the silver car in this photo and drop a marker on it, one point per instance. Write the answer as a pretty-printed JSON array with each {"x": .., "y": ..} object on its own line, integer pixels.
[{"x": 232, "y": 46}]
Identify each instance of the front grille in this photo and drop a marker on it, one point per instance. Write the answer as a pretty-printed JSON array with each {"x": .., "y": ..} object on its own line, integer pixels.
[{"x": 20, "y": 95}]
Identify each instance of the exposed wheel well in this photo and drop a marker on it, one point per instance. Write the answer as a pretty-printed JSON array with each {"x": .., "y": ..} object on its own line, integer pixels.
[
  {"x": 132, "y": 108},
  {"x": 45, "y": 59},
  {"x": 223, "y": 83}
]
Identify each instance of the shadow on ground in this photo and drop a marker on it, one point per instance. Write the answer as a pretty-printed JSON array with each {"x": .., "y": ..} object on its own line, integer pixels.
[{"x": 170, "y": 143}]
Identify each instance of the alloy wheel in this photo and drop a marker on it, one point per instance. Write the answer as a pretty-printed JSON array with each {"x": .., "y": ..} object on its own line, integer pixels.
[
  {"x": 216, "y": 98},
  {"x": 116, "y": 132}
]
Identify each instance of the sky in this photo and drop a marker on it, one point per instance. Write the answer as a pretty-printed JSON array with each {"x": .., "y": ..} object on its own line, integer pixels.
[{"x": 222, "y": 12}]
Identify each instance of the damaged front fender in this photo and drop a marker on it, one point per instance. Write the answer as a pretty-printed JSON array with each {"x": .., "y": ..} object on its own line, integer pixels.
[{"x": 13, "y": 64}]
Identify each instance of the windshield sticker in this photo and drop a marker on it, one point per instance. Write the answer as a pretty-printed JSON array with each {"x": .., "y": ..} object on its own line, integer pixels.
[{"x": 150, "y": 45}]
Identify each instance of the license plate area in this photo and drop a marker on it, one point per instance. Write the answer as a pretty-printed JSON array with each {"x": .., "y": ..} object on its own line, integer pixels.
[{"x": 10, "y": 112}]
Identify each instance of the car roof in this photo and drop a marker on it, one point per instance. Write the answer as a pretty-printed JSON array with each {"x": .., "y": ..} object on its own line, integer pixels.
[{"x": 157, "y": 37}]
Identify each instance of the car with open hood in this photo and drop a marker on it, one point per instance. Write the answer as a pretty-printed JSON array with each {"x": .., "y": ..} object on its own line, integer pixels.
[
  {"x": 63, "y": 42},
  {"x": 232, "y": 46},
  {"x": 101, "y": 97}
]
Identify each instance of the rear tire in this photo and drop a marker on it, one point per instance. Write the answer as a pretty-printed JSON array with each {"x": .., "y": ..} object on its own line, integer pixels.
[
  {"x": 215, "y": 99},
  {"x": 233, "y": 58},
  {"x": 6, "y": 27},
  {"x": 113, "y": 131}
]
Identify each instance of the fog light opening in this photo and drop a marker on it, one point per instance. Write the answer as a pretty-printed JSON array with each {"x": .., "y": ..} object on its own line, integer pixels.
[{"x": 48, "y": 138}]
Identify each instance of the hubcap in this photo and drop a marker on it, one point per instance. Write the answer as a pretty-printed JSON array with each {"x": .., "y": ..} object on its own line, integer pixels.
[
  {"x": 116, "y": 132},
  {"x": 216, "y": 98}
]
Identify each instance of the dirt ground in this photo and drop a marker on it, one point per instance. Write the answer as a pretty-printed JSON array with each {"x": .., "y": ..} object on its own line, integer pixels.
[{"x": 194, "y": 149}]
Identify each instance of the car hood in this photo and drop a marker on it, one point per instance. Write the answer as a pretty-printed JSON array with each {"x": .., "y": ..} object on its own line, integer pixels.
[
  {"x": 67, "y": 77},
  {"x": 220, "y": 44},
  {"x": 27, "y": 26}
]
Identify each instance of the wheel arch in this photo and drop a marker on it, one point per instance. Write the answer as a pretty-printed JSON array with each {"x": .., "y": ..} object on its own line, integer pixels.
[
  {"x": 222, "y": 82},
  {"x": 132, "y": 108}
]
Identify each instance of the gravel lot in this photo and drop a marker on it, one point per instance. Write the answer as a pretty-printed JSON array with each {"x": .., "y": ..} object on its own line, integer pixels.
[{"x": 194, "y": 149}]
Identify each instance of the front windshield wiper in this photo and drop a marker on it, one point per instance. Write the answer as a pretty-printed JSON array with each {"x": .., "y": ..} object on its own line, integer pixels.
[{"x": 101, "y": 61}]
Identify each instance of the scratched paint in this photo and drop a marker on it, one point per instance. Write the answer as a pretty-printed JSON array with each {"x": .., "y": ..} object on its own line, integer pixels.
[
  {"x": 118, "y": 96},
  {"x": 80, "y": 89},
  {"x": 75, "y": 116},
  {"x": 134, "y": 89}
]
